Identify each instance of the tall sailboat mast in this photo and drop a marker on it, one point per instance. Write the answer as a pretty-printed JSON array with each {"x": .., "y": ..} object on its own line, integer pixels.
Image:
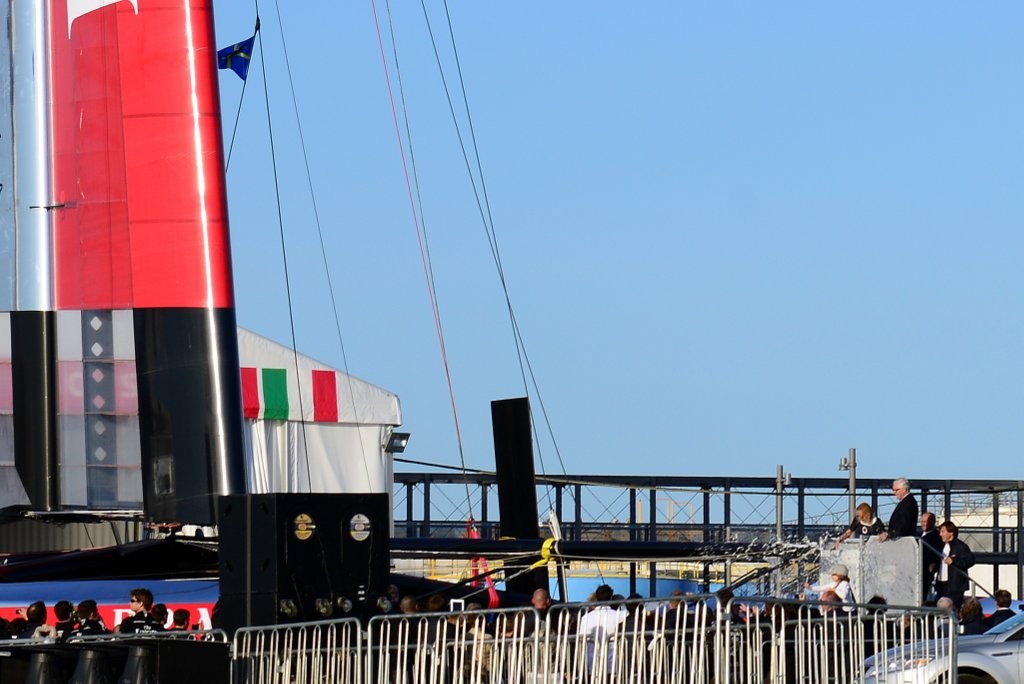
[{"x": 123, "y": 296}]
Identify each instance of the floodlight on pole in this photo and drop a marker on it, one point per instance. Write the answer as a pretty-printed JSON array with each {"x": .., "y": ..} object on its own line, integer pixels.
[
  {"x": 849, "y": 463},
  {"x": 397, "y": 442},
  {"x": 782, "y": 480}
]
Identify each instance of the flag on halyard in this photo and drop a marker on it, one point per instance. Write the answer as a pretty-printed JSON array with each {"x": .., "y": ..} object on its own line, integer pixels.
[{"x": 237, "y": 57}]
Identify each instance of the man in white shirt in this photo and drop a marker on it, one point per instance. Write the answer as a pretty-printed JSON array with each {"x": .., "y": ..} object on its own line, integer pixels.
[{"x": 598, "y": 626}]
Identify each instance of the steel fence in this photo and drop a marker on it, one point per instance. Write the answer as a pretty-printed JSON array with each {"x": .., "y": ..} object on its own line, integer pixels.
[
  {"x": 691, "y": 641},
  {"x": 299, "y": 653}
]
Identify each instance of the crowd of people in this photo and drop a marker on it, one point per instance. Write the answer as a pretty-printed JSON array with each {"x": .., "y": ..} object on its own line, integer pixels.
[
  {"x": 71, "y": 621},
  {"x": 608, "y": 630},
  {"x": 605, "y": 623},
  {"x": 945, "y": 557}
]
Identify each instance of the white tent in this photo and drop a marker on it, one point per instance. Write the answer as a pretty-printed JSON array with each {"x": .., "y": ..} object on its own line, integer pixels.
[{"x": 309, "y": 427}]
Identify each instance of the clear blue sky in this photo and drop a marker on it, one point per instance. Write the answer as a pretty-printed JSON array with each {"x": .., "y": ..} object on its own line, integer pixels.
[{"x": 735, "y": 235}]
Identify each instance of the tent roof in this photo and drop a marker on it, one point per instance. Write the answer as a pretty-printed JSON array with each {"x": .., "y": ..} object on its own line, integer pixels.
[{"x": 324, "y": 394}]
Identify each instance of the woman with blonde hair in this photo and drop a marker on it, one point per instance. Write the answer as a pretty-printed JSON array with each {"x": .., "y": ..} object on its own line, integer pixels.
[{"x": 864, "y": 525}]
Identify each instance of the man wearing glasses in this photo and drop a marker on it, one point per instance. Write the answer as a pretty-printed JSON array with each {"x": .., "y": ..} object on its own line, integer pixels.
[
  {"x": 903, "y": 521},
  {"x": 141, "y": 602}
]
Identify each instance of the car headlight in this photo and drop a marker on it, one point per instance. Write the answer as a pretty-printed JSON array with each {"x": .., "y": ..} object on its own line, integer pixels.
[
  {"x": 891, "y": 666},
  {"x": 898, "y": 660}
]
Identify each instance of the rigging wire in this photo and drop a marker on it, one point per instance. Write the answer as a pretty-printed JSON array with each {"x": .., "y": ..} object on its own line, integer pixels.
[
  {"x": 323, "y": 255},
  {"x": 489, "y": 224},
  {"x": 419, "y": 221},
  {"x": 238, "y": 111},
  {"x": 420, "y": 234},
  {"x": 284, "y": 246},
  {"x": 483, "y": 206}
]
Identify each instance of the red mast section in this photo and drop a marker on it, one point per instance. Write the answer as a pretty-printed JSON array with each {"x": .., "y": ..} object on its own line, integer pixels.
[{"x": 140, "y": 225}]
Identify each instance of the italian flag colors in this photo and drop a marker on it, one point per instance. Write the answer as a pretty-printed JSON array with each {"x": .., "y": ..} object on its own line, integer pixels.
[
  {"x": 265, "y": 395},
  {"x": 278, "y": 384}
]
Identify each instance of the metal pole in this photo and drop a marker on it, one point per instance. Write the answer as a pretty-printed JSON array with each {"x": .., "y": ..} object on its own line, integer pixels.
[
  {"x": 853, "y": 483},
  {"x": 779, "y": 479},
  {"x": 652, "y": 535},
  {"x": 1017, "y": 539}
]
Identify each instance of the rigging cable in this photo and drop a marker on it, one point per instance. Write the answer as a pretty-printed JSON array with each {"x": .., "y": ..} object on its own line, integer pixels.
[
  {"x": 284, "y": 247},
  {"x": 326, "y": 264},
  {"x": 420, "y": 234},
  {"x": 483, "y": 205},
  {"x": 238, "y": 111},
  {"x": 492, "y": 236}
]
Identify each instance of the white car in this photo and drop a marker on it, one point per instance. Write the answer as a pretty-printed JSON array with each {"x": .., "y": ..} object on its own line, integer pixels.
[{"x": 995, "y": 657}]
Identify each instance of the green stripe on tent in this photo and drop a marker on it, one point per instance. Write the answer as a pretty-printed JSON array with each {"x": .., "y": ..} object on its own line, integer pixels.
[{"x": 275, "y": 394}]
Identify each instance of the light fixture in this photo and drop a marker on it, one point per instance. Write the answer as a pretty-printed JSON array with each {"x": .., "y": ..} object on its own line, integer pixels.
[
  {"x": 397, "y": 442},
  {"x": 324, "y": 607},
  {"x": 288, "y": 608},
  {"x": 782, "y": 480},
  {"x": 849, "y": 464}
]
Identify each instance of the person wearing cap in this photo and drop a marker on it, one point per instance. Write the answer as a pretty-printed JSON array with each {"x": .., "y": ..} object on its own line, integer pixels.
[{"x": 840, "y": 584}]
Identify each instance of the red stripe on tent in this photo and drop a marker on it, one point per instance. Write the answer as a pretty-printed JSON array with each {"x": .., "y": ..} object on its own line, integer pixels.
[
  {"x": 250, "y": 393},
  {"x": 325, "y": 396}
]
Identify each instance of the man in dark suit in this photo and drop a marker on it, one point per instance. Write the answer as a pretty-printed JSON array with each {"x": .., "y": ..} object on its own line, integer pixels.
[
  {"x": 1003, "y": 609},
  {"x": 931, "y": 544},
  {"x": 903, "y": 521},
  {"x": 951, "y": 579}
]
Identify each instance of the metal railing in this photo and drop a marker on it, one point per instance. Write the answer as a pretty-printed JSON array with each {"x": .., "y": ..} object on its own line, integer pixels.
[
  {"x": 989, "y": 513},
  {"x": 692, "y": 641},
  {"x": 329, "y": 651},
  {"x": 215, "y": 635}
]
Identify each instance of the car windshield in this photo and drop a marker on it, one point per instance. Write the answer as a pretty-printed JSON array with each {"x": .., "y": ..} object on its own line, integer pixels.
[{"x": 1008, "y": 625}]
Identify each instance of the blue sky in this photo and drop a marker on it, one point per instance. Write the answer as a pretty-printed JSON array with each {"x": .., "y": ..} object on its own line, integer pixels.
[{"x": 735, "y": 235}]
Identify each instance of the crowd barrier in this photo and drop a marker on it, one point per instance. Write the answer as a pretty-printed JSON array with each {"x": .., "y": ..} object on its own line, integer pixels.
[
  {"x": 692, "y": 641},
  {"x": 747, "y": 641},
  {"x": 121, "y": 658},
  {"x": 330, "y": 651}
]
